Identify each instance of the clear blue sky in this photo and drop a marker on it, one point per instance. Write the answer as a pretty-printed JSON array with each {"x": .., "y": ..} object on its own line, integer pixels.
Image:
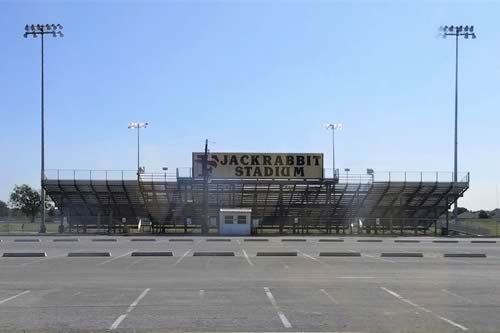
[{"x": 251, "y": 76}]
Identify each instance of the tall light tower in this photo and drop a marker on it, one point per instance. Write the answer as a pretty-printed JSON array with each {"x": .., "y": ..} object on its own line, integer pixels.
[
  {"x": 138, "y": 125},
  {"x": 465, "y": 32},
  {"x": 34, "y": 31},
  {"x": 333, "y": 127}
]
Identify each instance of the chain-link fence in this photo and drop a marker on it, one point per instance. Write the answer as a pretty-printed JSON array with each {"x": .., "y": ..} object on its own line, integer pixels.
[{"x": 21, "y": 224}]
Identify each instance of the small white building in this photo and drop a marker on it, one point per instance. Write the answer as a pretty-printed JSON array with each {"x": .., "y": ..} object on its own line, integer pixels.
[{"x": 235, "y": 221}]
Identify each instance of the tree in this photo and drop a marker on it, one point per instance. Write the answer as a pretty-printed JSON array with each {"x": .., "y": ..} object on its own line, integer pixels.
[
  {"x": 461, "y": 210},
  {"x": 483, "y": 214},
  {"x": 4, "y": 209},
  {"x": 26, "y": 199}
]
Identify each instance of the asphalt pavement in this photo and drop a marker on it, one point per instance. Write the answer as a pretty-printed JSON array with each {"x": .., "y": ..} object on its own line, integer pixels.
[{"x": 170, "y": 289}]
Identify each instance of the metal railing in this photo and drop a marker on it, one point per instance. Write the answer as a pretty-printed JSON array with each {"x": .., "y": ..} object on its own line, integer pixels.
[
  {"x": 184, "y": 172},
  {"x": 343, "y": 177},
  {"x": 85, "y": 174},
  {"x": 158, "y": 177},
  {"x": 397, "y": 176}
]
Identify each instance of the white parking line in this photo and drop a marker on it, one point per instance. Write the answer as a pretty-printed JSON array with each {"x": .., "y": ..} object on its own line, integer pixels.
[
  {"x": 118, "y": 321},
  {"x": 305, "y": 255},
  {"x": 282, "y": 316},
  {"x": 120, "y": 318},
  {"x": 459, "y": 261},
  {"x": 208, "y": 262},
  {"x": 381, "y": 259},
  {"x": 457, "y": 296},
  {"x": 110, "y": 260},
  {"x": 401, "y": 298},
  {"x": 39, "y": 260},
  {"x": 247, "y": 257},
  {"x": 183, "y": 256},
  {"x": 15, "y": 296},
  {"x": 330, "y": 297},
  {"x": 133, "y": 263}
]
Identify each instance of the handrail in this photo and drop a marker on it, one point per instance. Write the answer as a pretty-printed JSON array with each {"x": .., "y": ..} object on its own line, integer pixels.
[{"x": 342, "y": 177}]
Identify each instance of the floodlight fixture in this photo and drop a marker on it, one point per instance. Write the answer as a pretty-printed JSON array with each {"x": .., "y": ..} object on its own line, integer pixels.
[
  {"x": 337, "y": 126},
  {"x": 137, "y": 125},
  {"x": 43, "y": 29}
]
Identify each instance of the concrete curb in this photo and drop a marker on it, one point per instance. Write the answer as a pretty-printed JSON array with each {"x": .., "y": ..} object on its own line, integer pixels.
[
  {"x": 465, "y": 255},
  {"x": 406, "y": 241},
  {"x": 483, "y": 242},
  {"x": 369, "y": 240},
  {"x": 330, "y": 240},
  {"x": 151, "y": 254},
  {"x": 213, "y": 254},
  {"x": 21, "y": 240},
  {"x": 66, "y": 240},
  {"x": 89, "y": 254},
  {"x": 143, "y": 240},
  {"x": 402, "y": 254},
  {"x": 340, "y": 254},
  {"x": 445, "y": 241},
  {"x": 23, "y": 254},
  {"x": 276, "y": 254}
]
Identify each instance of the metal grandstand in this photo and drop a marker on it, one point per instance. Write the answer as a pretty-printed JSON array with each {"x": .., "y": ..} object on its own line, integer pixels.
[{"x": 383, "y": 202}]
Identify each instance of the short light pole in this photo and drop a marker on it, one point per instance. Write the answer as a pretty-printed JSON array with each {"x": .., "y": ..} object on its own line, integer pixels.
[
  {"x": 138, "y": 126},
  {"x": 165, "y": 169},
  {"x": 205, "y": 224},
  {"x": 347, "y": 174},
  {"x": 333, "y": 127},
  {"x": 465, "y": 32},
  {"x": 371, "y": 173},
  {"x": 497, "y": 217},
  {"x": 34, "y": 31}
]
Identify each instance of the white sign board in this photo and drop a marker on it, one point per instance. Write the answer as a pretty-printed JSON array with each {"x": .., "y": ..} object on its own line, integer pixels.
[{"x": 259, "y": 165}]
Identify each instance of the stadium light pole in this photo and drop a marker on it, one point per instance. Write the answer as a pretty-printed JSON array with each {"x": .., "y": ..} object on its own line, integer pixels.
[
  {"x": 138, "y": 125},
  {"x": 34, "y": 31},
  {"x": 333, "y": 127},
  {"x": 456, "y": 32}
]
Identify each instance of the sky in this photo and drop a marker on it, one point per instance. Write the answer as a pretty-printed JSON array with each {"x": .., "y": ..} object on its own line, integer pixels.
[{"x": 252, "y": 76}]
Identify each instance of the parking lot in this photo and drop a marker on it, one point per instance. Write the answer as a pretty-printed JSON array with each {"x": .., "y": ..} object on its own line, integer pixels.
[{"x": 311, "y": 284}]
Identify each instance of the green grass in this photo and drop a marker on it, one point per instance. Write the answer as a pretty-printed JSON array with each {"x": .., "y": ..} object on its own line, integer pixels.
[{"x": 488, "y": 224}]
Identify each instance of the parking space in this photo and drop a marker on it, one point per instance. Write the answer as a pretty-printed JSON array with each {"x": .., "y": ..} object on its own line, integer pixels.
[
  {"x": 73, "y": 308},
  {"x": 246, "y": 292}
]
